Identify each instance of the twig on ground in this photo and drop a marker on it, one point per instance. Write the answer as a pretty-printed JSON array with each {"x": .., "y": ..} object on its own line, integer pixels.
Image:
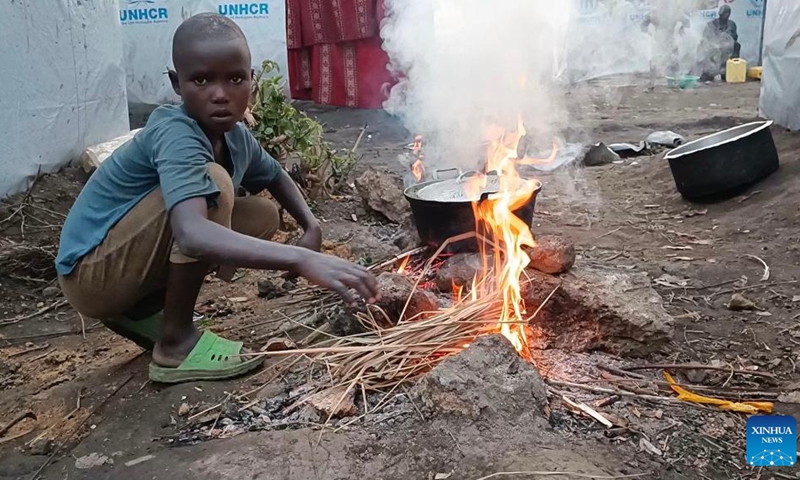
[
  {"x": 609, "y": 233},
  {"x": 563, "y": 474},
  {"x": 44, "y": 355},
  {"x": 697, "y": 366},
  {"x": 12, "y": 341},
  {"x": 588, "y": 411},
  {"x": 755, "y": 287},
  {"x": 29, "y": 350},
  {"x": 53, "y": 306},
  {"x": 764, "y": 277},
  {"x": 22, "y": 416}
]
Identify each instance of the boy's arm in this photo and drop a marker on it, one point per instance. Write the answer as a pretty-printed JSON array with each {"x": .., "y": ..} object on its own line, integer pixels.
[
  {"x": 265, "y": 172},
  {"x": 288, "y": 195},
  {"x": 200, "y": 238}
]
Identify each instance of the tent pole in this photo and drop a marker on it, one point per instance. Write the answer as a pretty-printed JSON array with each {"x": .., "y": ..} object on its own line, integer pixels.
[{"x": 763, "y": 25}]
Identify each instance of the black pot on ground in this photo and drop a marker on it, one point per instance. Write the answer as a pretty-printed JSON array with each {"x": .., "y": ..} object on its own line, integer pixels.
[{"x": 723, "y": 164}]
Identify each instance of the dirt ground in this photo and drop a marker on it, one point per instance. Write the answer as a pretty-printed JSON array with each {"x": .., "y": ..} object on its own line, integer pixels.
[{"x": 89, "y": 389}]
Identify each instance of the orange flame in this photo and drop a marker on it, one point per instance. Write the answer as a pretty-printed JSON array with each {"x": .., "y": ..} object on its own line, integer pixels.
[
  {"x": 418, "y": 170},
  {"x": 403, "y": 265},
  {"x": 457, "y": 290},
  {"x": 510, "y": 235}
]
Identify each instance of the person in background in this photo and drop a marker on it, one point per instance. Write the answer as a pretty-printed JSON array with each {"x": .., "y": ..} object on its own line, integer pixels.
[
  {"x": 665, "y": 18},
  {"x": 720, "y": 42}
]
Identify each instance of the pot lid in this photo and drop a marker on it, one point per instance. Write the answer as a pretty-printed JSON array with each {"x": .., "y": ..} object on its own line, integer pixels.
[{"x": 457, "y": 190}]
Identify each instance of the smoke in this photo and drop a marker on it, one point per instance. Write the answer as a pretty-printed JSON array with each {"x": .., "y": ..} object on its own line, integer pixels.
[{"x": 469, "y": 65}]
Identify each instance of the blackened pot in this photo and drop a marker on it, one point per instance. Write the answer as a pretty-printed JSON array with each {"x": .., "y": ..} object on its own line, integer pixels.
[
  {"x": 440, "y": 212},
  {"x": 724, "y": 163}
]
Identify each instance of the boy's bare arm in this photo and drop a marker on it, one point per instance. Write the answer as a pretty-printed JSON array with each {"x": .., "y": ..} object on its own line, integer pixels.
[
  {"x": 288, "y": 195},
  {"x": 200, "y": 238}
]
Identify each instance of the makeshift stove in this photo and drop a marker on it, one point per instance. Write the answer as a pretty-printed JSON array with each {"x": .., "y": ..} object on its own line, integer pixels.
[{"x": 510, "y": 288}]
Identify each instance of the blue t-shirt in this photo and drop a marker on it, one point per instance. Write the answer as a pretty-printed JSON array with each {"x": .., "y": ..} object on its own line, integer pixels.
[{"x": 170, "y": 152}]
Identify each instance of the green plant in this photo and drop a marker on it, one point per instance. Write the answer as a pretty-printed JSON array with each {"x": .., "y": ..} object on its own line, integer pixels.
[{"x": 286, "y": 132}]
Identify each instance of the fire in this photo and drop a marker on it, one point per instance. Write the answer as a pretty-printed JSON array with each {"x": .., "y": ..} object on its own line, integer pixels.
[
  {"x": 510, "y": 235},
  {"x": 457, "y": 291},
  {"x": 403, "y": 265},
  {"x": 418, "y": 170},
  {"x": 418, "y": 167}
]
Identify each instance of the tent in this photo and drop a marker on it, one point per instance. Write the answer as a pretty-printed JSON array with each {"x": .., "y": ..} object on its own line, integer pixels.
[
  {"x": 780, "y": 81},
  {"x": 148, "y": 26},
  {"x": 63, "y": 85}
]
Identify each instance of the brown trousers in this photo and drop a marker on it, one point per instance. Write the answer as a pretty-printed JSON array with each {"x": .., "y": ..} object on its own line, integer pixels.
[{"x": 133, "y": 260}]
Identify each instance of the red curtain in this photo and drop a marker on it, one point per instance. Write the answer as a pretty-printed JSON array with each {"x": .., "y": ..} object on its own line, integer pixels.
[{"x": 335, "y": 55}]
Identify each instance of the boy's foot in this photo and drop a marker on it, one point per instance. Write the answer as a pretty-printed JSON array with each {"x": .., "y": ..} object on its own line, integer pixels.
[{"x": 209, "y": 357}]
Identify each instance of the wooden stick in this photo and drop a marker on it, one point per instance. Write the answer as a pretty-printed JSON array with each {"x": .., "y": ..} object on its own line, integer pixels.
[
  {"x": 22, "y": 416},
  {"x": 696, "y": 366},
  {"x": 563, "y": 474},
  {"x": 53, "y": 306}
]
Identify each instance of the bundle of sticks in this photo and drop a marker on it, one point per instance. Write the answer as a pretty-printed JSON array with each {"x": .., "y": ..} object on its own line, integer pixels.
[{"x": 26, "y": 258}]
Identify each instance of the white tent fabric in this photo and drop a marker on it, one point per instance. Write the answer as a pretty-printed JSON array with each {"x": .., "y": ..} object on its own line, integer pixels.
[
  {"x": 780, "y": 81},
  {"x": 605, "y": 36},
  {"x": 63, "y": 85},
  {"x": 148, "y": 26}
]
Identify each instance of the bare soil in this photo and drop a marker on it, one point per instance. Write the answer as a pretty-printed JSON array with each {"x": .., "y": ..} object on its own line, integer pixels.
[{"x": 89, "y": 390}]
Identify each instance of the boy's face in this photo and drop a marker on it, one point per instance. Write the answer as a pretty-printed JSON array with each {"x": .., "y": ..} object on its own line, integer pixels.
[{"x": 214, "y": 78}]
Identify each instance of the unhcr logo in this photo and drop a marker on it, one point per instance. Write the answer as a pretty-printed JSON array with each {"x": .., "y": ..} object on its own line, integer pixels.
[
  {"x": 244, "y": 10},
  {"x": 143, "y": 11}
]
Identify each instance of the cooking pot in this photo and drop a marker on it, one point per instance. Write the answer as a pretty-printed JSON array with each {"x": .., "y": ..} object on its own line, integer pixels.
[
  {"x": 724, "y": 163},
  {"x": 442, "y": 208}
]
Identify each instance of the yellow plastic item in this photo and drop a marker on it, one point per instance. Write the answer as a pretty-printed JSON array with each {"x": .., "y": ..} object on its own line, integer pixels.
[
  {"x": 736, "y": 71},
  {"x": 750, "y": 408},
  {"x": 754, "y": 72}
]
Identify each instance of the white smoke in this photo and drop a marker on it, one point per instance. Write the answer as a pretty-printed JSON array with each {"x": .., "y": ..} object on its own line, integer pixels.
[{"x": 471, "y": 64}]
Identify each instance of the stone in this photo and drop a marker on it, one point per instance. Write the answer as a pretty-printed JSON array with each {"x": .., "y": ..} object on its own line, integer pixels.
[
  {"x": 92, "y": 460},
  {"x": 51, "y": 292},
  {"x": 336, "y": 402},
  {"x": 459, "y": 270},
  {"x": 597, "y": 310},
  {"x": 552, "y": 255},
  {"x": 278, "y": 345},
  {"x": 341, "y": 250},
  {"x": 382, "y": 191},
  {"x": 395, "y": 290},
  {"x": 487, "y": 380},
  {"x": 407, "y": 236},
  {"x": 267, "y": 289},
  {"x": 741, "y": 303},
  {"x": 184, "y": 410}
]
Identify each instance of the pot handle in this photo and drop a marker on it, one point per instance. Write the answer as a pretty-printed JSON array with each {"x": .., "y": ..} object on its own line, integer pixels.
[
  {"x": 437, "y": 173},
  {"x": 472, "y": 173}
]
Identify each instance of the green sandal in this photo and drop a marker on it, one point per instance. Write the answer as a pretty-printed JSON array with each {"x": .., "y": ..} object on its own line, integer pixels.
[
  {"x": 213, "y": 358},
  {"x": 145, "y": 332}
]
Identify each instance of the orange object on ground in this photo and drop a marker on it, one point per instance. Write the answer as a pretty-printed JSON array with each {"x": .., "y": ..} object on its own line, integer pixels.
[{"x": 750, "y": 408}]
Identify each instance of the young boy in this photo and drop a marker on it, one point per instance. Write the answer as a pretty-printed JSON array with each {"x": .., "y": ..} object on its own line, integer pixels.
[{"x": 162, "y": 209}]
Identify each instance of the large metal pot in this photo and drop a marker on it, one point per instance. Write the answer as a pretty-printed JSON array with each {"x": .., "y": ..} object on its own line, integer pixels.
[
  {"x": 442, "y": 209},
  {"x": 725, "y": 162}
]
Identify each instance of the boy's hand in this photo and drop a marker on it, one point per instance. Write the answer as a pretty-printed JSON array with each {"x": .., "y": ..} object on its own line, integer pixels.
[
  {"x": 312, "y": 238},
  {"x": 340, "y": 276}
]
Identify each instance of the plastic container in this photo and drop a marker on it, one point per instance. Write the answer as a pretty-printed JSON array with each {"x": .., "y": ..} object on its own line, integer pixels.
[
  {"x": 754, "y": 73},
  {"x": 736, "y": 70},
  {"x": 683, "y": 82}
]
